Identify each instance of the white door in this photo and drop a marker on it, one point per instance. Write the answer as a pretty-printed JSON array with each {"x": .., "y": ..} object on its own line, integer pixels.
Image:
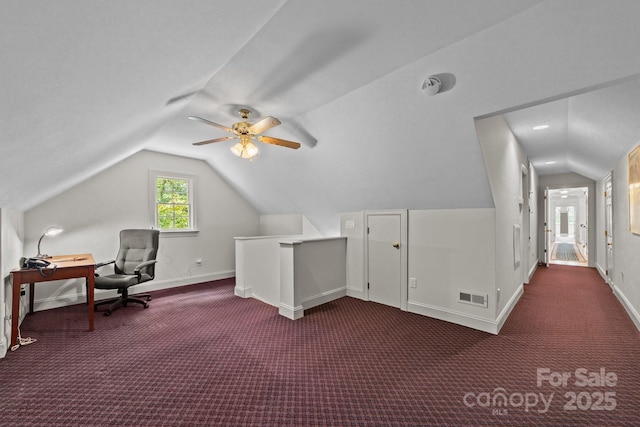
[
  {"x": 384, "y": 236},
  {"x": 608, "y": 232}
]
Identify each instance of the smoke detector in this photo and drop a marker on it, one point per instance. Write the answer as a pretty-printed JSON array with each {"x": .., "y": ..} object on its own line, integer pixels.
[{"x": 431, "y": 85}]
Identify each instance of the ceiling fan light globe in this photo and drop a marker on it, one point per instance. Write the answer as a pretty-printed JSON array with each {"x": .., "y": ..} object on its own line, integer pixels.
[
  {"x": 250, "y": 150},
  {"x": 237, "y": 149}
]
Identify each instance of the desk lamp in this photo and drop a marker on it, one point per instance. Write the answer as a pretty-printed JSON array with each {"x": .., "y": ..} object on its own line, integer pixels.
[{"x": 51, "y": 231}]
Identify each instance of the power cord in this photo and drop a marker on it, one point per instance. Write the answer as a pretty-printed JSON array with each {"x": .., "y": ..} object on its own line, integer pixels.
[{"x": 22, "y": 341}]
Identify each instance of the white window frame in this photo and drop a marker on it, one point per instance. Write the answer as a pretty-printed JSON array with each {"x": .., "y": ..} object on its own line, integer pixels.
[{"x": 153, "y": 198}]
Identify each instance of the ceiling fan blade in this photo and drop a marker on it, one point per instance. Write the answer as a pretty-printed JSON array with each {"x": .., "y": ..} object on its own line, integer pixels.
[
  {"x": 200, "y": 119},
  {"x": 278, "y": 141},
  {"x": 224, "y": 138},
  {"x": 264, "y": 124}
]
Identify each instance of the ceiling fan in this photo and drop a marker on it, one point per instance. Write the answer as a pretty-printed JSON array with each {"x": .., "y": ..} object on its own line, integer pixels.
[{"x": 246, "y": 131}]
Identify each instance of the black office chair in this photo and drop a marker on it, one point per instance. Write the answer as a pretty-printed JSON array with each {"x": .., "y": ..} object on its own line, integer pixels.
[{"x": 134, "y": 264}]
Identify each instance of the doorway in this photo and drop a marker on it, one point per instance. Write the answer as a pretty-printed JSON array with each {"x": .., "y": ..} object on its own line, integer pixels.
[
  {"x": 567, "y": 228},
  {"x": 386, "y": 257},
  {"x": 608, "y": 227}
]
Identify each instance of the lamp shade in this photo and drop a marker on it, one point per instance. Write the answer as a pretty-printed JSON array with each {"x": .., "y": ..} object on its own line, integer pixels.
[
  {"x": 245, "y": 149},
  {"x": 51, "y": 231}
]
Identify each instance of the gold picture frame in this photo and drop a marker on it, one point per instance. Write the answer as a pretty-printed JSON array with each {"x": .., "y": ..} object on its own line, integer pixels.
[{"x": 634, "y": 190}]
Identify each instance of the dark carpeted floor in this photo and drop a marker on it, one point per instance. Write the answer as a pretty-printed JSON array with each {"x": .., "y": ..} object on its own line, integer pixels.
[{"x": 199, "y": 356}]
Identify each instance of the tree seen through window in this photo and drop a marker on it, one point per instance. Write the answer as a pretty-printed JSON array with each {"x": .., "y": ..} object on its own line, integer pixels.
[{"x": 172, "y": 203}]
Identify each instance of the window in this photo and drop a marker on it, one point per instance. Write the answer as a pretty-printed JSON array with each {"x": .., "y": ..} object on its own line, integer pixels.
[{"x": 172, "y": 201}]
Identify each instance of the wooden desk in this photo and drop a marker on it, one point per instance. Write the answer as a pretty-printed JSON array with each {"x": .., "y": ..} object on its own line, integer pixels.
[{"x": 68, "y": 267}]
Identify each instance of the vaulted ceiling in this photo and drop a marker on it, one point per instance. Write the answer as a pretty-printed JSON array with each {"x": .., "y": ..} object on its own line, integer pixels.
[{"x": 86, "y": 84}]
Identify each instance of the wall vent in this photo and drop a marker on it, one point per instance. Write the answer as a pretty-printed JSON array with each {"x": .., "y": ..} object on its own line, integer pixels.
[{"x": 467, "y": 297}]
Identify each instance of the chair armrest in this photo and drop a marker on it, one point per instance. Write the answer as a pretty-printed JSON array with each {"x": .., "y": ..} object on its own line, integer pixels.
[
  {"x": 143, "y": 265},
  {"x": 102, "y": 264}
]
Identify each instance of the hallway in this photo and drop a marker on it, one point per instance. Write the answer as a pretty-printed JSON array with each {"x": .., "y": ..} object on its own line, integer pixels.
[{"x": 565, "y": 251}]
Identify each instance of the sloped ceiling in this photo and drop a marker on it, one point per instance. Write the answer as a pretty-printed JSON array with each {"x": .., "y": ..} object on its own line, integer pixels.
[{"x": 87, "y": 84}]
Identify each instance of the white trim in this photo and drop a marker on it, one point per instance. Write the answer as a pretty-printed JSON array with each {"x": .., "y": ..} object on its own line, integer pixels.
[
  {"x": 533, "y": 269},
  {"x": 464, "y": 319},
  {"x": 293, "y": 313},
  {"x": 509, "y": 306},
  {"x": 153, "y": 198},
  {"x": 243, "y": 292},
  {"x": 604, "y": 276},
  {"x": 631, "y": 311},
  {"x": 404, "y": 259},
  {"x": 355, "y": 292},
  {"x": 453, "y": 316},
  {"x": 154, "y": 285},
  {"x": 324, "y": 297}
]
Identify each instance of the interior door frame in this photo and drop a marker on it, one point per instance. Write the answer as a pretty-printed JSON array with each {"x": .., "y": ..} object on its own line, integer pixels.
[
  {"x": 404, "y": 264},
  {"x": 608, "y": 231},
  {"x": 546, "y": 229}
]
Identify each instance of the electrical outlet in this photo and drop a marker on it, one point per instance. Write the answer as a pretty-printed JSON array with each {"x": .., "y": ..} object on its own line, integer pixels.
[{"x": 413, "y": 282}]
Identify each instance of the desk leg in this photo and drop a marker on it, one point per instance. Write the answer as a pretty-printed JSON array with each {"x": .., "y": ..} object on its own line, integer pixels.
[
  {"x": 32, "y": 293},
  {"x": 90, "y": 297},
  {"x": 15, "y": 313}
]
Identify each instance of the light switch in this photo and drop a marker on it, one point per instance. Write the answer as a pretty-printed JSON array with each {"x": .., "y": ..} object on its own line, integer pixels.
[{"x": 413, "y": 282}]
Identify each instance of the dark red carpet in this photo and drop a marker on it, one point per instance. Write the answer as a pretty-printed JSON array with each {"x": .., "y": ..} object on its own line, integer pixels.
[{"x": 199, "y": 356}]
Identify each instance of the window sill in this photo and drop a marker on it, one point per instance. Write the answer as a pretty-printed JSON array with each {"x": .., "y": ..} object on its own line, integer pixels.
[{"x": 179, "y": 233}]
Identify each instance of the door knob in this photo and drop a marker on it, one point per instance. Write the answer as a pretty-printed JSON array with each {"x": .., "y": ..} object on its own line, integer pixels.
[{"x": 396, "y": 245}]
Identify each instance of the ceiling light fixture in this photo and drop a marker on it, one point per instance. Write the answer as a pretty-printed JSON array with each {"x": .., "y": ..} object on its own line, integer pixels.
[
  {"x": 552, "y": 162},
  {"x": 540, "y": 127},
  {"x": 564, "y": 196},
  {"x": 245, "y": 148}
]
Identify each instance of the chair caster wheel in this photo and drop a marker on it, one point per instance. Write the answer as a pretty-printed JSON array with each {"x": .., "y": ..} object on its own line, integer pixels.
[
  {"x": 146, "y": 305},
  {"x": 107, "y": 313}
]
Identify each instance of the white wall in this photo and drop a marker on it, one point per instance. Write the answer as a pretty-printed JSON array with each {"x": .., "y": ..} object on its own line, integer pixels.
[
  {"x": 258, "y": 267},
  {"x": 448, "y": 250},
  {"x": 11, "y": 235},
  {"x": 626, "y": 245},
  {"x": 504, "y": 160},
  {"x": 283, "y": 225},
  {"x": 93, "y": 212},
  {"x": 312, "y": 272},
  {"x": 451, "y": 250},
  {"x": 352, "y": 227}
]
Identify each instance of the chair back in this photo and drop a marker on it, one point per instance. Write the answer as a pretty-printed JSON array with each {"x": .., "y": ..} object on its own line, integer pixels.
[{"x": 137, "y": 246}]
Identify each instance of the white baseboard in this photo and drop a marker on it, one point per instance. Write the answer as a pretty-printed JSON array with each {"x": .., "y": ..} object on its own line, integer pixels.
[
  {"x": 355, "y": 292},
  {"x": 323, "y": 298},
  {"x": 457, "y": 317},
  {"x": 79, "y": 297},
  {"x": 631, "y": 311},
  {"x": 465, "y": 319},
  {"x": 297, "y": 312},
  {"x": 603, "y": 274},
  {"x": 533, "y": 269},
  {"x": 293, "y": 313},
  {"x": 506, "y": 311},
  {"x": 242, "y": 292}
]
